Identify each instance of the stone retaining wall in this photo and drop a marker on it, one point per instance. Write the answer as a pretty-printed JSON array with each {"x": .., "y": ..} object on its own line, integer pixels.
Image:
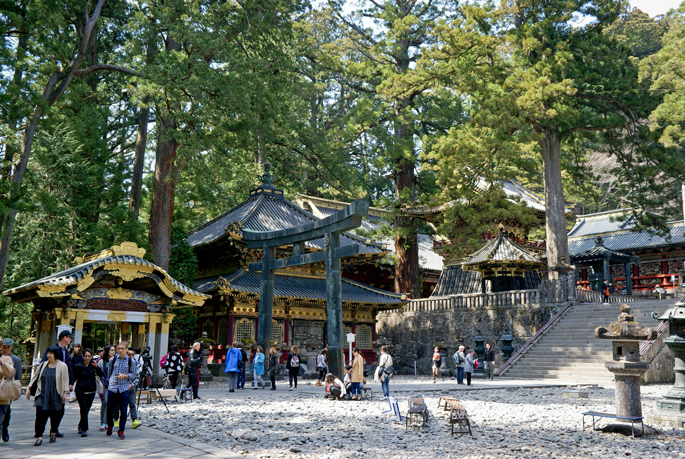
[{"x": 413, "y": 335}]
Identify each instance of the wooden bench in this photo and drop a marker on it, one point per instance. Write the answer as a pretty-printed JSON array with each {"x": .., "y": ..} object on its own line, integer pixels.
[
  {"x": 446, "y": 399},
  {"x": 598, "y": 414},
  {"x": 417, "y": 415},
  {"x": 459, "y": 416}
]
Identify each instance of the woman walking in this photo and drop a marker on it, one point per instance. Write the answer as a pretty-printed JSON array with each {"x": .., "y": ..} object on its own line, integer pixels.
[
  {"x": 357, "y": 375},
  {"x": 322, "y": 367},
  {"x": 274, "y": 366},
  {"x": 293, "y": 366},
  {"x": 471, "y": 363},
  {"x": 437, "y": 363},
  {"x": 385, "y": 365},
  {"x": 234, "y": 359},
  {"x": 258, "y": 368},
  {"x": 84, "y": 377},
  {"x": 103, "y": 364},
  {"x": 51, "y": 382},
  {"x": 76, "y": 357},
  {"x": 174, "y": 365}
]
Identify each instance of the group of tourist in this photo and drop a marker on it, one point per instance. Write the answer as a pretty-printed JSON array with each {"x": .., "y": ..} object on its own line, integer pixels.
[
  {"x": 236, "y": 362},
  {"x": 467, "y": 362},
  {"x": 112, "y": 373}
]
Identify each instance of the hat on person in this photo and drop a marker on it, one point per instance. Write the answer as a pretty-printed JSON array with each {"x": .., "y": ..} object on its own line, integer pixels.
[
  {"x": 64, "y": 333},
  {"x": 7, "y": 342}
]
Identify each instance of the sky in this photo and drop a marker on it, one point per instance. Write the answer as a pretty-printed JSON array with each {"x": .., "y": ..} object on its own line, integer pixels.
[{"x": 654, "y": 7}]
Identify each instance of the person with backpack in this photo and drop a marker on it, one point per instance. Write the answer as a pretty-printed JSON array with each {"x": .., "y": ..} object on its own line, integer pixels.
[
  {"x": 174, "y": 365},
  {"x": 321, "y": 367},
  {"x": 293, "y": 366},
  {"x": 459, "y": 362},
  {"x": 233, "y": 361},
  {"x": 122, "y": 371},
  {"x": 193, "y": 368}
]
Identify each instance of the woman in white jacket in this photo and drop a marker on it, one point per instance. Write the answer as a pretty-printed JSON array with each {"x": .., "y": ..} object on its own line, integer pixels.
[{"x": 384, "y": 363}]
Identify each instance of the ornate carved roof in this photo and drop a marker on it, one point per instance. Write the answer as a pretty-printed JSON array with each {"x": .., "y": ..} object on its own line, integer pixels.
[
  {"x": 122, "y": 262},
  {"x": 504, "y": 251}
]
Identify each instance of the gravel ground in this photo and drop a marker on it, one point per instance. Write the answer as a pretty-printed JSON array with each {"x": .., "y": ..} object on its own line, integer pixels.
[{"x": 506, "y": 423}]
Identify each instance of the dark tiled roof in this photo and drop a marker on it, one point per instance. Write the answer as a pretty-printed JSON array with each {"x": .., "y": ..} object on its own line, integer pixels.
[
  {"x": 501, "y": 248},
  {"x": 455, "y": 281},
  {"x": 599, "y": 252},
  {"x": 270, "y": 212},
  {"x": 628, "y": 240},
  {"x": 600, "y": 223},
  {"x": 302, "y": 288},
  {"x": 73, "y": 275}
]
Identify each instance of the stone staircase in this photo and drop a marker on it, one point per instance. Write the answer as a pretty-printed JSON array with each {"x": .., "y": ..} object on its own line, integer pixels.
[{"x": 569, "y": 350}]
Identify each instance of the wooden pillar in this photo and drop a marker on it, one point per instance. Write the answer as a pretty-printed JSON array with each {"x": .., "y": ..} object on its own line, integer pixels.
[
  {"x": 266, "y": 298},
  {"x": 162, "y": 347},
  {"x": 286, "y": 331},
  {"x": 336, "y": 360},
  {"x": 629, "y": 283},
  {"x": 229, "y": 332},
  {"x": 607, "y": 272},
  {"x": 78, "y": 327}
]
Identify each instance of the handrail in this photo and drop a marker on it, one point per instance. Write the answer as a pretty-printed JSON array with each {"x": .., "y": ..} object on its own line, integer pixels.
[
  {"x": 659, "y": 329},
  {"x": 520, "y": 351},
  {"x": 592, "y": 296}
]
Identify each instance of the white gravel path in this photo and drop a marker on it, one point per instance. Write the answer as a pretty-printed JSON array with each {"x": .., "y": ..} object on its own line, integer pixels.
[{"x": 506, "y": 423}]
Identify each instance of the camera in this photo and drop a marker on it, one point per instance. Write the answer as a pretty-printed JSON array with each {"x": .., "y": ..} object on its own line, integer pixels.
[{"x": 146, "y": 354}]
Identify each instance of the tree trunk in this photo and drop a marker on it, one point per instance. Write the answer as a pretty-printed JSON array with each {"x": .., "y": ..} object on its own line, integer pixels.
[
  {"x": 555, "y": 218},
  {"x": 139, "y": 159},
  {"x": 407, "y": 279},
  {"x": 166, "y": 176}
]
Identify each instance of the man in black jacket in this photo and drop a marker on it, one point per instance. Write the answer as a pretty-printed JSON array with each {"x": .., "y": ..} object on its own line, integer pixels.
[
  {"x": 489, "y": 361},
  {"x": 193, "y": 368}
]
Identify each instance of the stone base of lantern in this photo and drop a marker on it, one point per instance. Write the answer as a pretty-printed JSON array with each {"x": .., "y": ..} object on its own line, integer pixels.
[
  {"x": 670, "y": 413},
  {"x": 627, "y": 386}
]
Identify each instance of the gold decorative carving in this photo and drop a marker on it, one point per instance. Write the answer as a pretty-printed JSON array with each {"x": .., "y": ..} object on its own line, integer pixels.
[
  {"x": 141, "y": 329},
  {"x": 127, "y": 274},
  {"x": 128, "y": 248},
  {"x": 47, "y": 291},
  {"x": 116, "y": 316},
  {"x": 85, "y": 282},
  {"x": 234, "y": 229}
]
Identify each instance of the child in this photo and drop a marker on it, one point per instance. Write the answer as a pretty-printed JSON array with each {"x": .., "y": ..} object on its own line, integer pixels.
[
  {"x": 347, "y": 381},
  {"x": 335, "y": 389}
]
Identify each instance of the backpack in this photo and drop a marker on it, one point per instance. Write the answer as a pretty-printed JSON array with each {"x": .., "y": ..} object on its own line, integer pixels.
[
  {"x": 458, "y": 359},
  {"x": 475, "y": 364},
  {"x": 294, "y": 361},
  {"x": 163, "y": 362},
  {"x": 109, "y": 369}
]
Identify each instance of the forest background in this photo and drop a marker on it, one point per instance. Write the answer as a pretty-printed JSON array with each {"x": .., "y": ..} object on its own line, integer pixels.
[{"x": 132, "y": 120}]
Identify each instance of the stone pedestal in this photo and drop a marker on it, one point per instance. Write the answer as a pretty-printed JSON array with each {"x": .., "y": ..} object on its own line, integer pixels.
[
  {"x": 205, "y": 374},
  {"x": 627, "y": 386}
]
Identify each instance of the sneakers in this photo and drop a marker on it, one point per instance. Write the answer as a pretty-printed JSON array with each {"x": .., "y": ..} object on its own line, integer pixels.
[
  {"x": 136, "y": 424},
  {"x": 120, "y": 434},
  {"x": 116, "y": 423},
  {"x": 84, "y": 434},
  {"x": 102, "y": 427},
  {"x": 109, "y": 431},
  {"x": 290, "y": 388}
]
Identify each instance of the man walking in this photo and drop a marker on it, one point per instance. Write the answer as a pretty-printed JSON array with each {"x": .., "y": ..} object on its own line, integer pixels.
[
  {"x": 7, "y": 344},
  {"x": 193, "y": 368},
  {"x": 63, "y": 341},
  {"x": 133, "y": 385},
  {"x": 459, "y": 361},
  {"x": 241, "y": 377},
  {"x": 489, "y": 361},
  {"x": 122, "y": 373}
]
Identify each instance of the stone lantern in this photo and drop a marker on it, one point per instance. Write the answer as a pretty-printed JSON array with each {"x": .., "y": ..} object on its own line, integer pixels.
[
  {"x": 671, "y": 409},
  {"x": 626, "y": 335},
  {"x": 507, "y": 348},
  {"x": 480, "y": 351}
]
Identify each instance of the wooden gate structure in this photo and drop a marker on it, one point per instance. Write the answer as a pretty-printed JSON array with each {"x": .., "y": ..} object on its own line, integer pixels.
[{"x": 329, "y": 229}]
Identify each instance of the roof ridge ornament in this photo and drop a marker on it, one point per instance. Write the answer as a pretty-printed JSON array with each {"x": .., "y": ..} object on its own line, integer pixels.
[
  {"x": 125, "y": 248},
  {"x": 266, "y": 178},
  {"x": 599, "y": 241}
]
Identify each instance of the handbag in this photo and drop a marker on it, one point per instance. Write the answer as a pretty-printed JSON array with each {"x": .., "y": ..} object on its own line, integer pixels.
[
  {"x": 10, "y": 389},
  {"x": 389, "y": 370}
]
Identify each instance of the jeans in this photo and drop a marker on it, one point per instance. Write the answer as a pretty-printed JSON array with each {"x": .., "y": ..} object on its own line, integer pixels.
[
  {"x": 257, "y": 379},
  {"x": 117, "y": 401},
  {"x": 293, "y": 376},
  {"x": 468, "y": 378},
  {"x": 241, "y": 380},
  {"x": 85, "y": 401},
  {"x": 460, "y": 375},
  {"x": 273, "y": 382},
  {"x": 232, "y": 379},
  {"x": 42, "y": 419},
  {"x": 356, "y": 388},
  {"x": 103, "y": 407},
  {"x": 489, "y": 369},
  {"x": 174, "y": 379},
  {"x": 322, "y": 374},
  {"x": 132, "y": 404},
  {"x": 385, "y": 385},
  {"x": 6, "y": 421}
]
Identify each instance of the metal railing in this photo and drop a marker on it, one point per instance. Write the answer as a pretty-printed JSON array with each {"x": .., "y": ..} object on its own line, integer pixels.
[
  {"x": 534, "y": 339},
  {"x": 591, "y": 296}
]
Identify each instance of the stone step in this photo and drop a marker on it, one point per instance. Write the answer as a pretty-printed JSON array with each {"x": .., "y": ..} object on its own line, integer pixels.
[{"x": 534, "y": 359}]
